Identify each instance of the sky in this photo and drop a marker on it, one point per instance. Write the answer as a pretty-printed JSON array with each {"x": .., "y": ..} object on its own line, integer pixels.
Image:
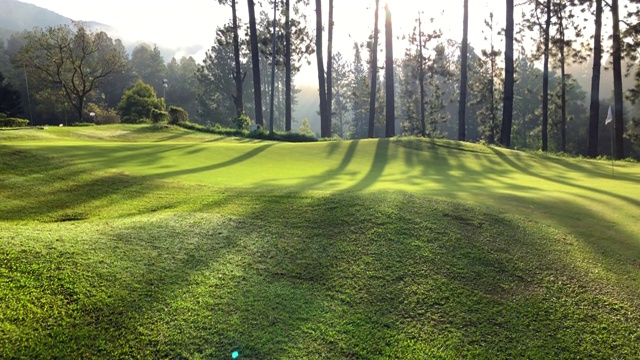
[{"x": 189, "y": 25}]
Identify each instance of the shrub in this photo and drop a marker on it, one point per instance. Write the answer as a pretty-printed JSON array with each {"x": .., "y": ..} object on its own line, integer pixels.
[
  {"x": 159, "y": 116},
  {"x": 260, "y": 134},
  {"x": 177, "y": 115},
  {"x": 137, "y": 103},
  {"x": 13, "y": 122},
  {"x": 282, "y": 136},
  {"x": 242, "y": 122},
  {"x": 103, "y": 116}
]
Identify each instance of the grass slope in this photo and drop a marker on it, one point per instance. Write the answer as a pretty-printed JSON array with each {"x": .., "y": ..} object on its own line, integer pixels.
[{"x": 128, "y": 242}]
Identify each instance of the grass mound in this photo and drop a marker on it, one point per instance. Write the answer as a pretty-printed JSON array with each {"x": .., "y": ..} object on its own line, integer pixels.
[{"x": 402, "y": 249}]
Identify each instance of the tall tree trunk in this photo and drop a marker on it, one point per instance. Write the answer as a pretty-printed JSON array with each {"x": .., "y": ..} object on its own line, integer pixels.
[
  {"x": 238, "y": 77},
  {"x": 507, "y": 107},
  {"x": 423, "y": 121},
  {"x": 464, "y": 50},
  {"x": 618, "y": 120},
  {"x": 287, "y": 64},
  {"x": 492, "y": 133},
  {"x": 273, "y": 70},
  {"x": 330, "y": 67},
  {"x": 80, "y": 106},
  {"x": 594, "y": 108},
  {"x": 563, "y": 99},
  {"x": 325, "y": 131},
  {"x": 545, "y": 80},
  {"x": 389, "y": 76},
  {"x": 374, "y": 74},
  {"x": 255, "y": 60}
]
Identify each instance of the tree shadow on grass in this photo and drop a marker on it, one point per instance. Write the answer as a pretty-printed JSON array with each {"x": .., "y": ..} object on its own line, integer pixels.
[
  {"x": 347, "y": 275},
  {"x": 51, "y": 189},
  {"x": 527, "y": 171},
  {"x": 365, "y": 271},
  {"x": 378, "y": 164},
  {"x": 234, "y": 161}
]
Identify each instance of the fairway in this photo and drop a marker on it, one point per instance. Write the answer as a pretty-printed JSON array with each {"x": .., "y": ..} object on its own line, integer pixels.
[{"x": 158, "y": 242}]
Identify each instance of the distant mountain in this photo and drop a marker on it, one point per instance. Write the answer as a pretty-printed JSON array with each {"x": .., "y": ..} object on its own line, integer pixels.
[{"x": 18, "y": 16}]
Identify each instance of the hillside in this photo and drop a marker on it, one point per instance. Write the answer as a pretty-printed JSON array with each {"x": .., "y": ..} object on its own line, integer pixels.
[
  {"x": 17, "y": 16},
  {"x": 154, "y": 242}
]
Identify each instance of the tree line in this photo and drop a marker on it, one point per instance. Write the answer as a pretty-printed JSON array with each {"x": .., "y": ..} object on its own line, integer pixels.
[{"x": 516, "y": 92}]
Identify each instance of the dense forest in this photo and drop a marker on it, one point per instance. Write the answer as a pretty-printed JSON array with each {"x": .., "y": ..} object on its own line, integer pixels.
[{"x": 515, "y": 90}]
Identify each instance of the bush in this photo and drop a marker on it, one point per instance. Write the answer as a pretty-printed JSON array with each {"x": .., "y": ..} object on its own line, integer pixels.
[
  {"x": 261, "y": 134},
  {"x": 137, "y": 103},
  {"x": 13, "y": 122},
  {"x": 177, "y": 115},
  {"x": 159, "y": 116},
  {"x": 282, "y": 136},
  {"x": 242, "y": 122},
  {"x": 83, "y": 124},
  {"x": 103, "y": 116}
]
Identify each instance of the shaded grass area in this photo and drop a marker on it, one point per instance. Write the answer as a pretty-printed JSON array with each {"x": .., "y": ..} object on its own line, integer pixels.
[{"x": 100, "y": 262}]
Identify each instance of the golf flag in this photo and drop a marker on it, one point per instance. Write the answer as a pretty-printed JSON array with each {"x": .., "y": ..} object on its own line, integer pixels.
[{"x": 609, "y": 117}]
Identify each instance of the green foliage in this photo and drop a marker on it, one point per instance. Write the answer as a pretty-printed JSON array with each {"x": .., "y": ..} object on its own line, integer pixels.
[
  {"x": 138, "y": 102},
  {"x": 305, "y": 128},
  {"x": 261, "y": 134},
  {"x": 103, "y": 116},
  {"x": 83, "y": 124},
  {"x": 159, "y": 116},
  {"x": 282, "y": 136},
  {"x": 13, "y": 122},
  {"x": 10, "y": 102},
  {"x": 74, "y": 58},
  {"x": 177, "y": 115},
  {"x": 242, "y": 122}
]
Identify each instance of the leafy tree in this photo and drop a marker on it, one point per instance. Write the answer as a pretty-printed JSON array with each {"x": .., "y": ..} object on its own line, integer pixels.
[
  {"x": 138, "y": 103},
  {"x": 75, "y": 59},
  {"x": 359, "y": 96},
  {"x": 526, "y": 127},
  {"x": 238, "y": 75},
  {"x": 216, "y": 83},
  {"x": 305, "y": 127},
  {"x": 341, "y": 83},
  {"x": 147, "y": 63},
  {"x": 487, "y": 89},
  {"x": 567, "y": 33},
  {"x": 111, "y": 90},
  {"x": 10, "y": 102},
  {"x": 183, "y": 85}
]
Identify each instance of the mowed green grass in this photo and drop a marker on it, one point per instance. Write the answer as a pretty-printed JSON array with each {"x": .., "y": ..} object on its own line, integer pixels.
[{"x": 143, "y": 242}]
